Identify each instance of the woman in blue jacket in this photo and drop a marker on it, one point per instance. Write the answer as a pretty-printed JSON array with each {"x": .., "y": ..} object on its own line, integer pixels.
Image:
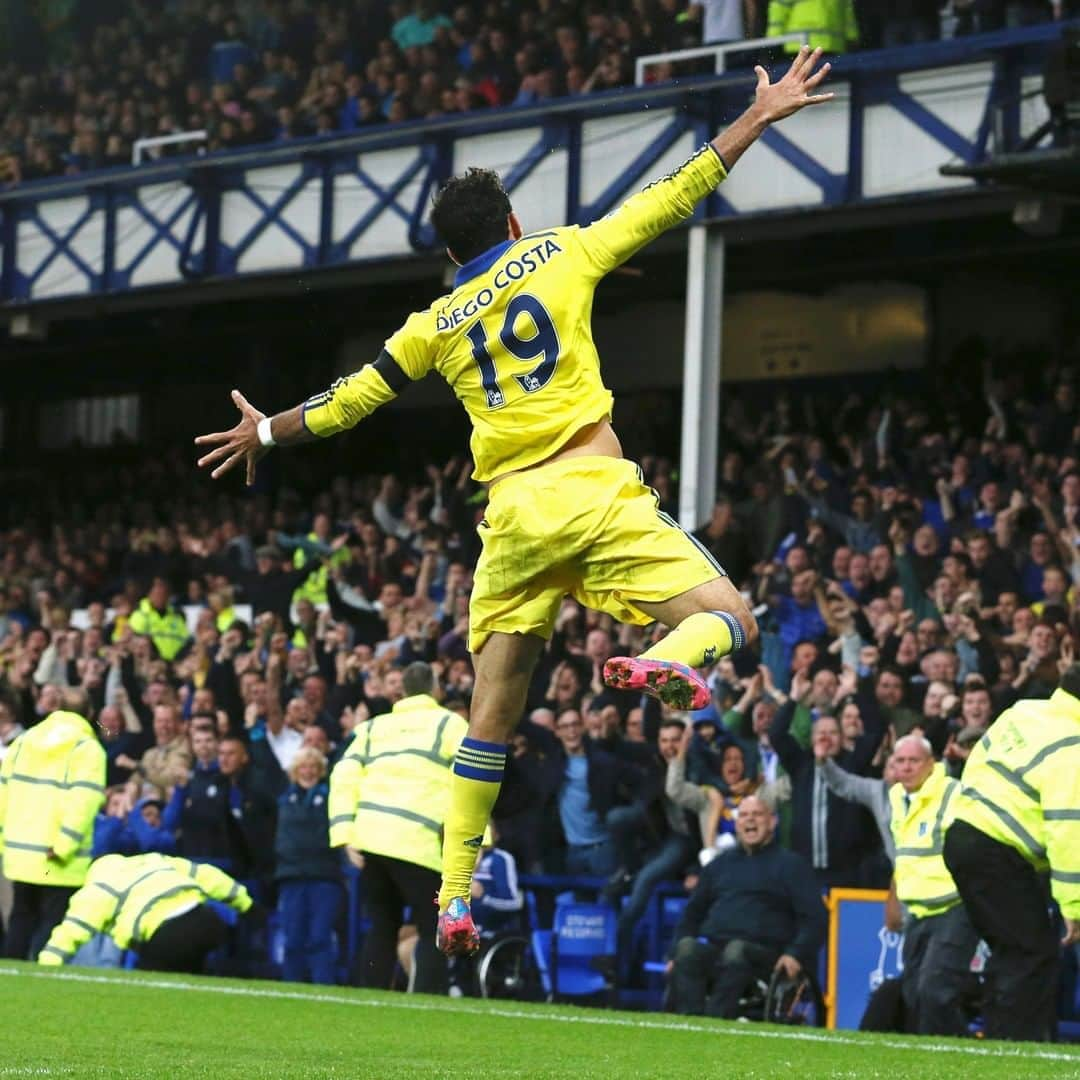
[{"x": 308, "y": 873}]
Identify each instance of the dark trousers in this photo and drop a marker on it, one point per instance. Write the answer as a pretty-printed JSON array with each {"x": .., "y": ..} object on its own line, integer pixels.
[
  {"x": 391, "y": 885},
  {"x": 182, "y": 944},
  {"x": 1008, "y": 904},
  {"x": 309, "y": 911},
  {"x": 709, "y": 979},
  {"x": 36, "y": 910},
  {"x": 937, "y": 970},
  {"x": 664, "y": 863}
]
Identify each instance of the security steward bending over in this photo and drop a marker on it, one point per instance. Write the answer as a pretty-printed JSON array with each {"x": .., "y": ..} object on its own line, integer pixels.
[
  {"x": 939, "y": 940},
  {"x": 154, "y": 904},
  {"x": 388, "y": 798},
  {"x": 1017, "y": 817},
  {"x": 52, "y": 783}
]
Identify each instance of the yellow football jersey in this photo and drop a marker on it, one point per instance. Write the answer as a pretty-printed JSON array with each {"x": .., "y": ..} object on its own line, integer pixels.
[{"x": 514, "y": 338}]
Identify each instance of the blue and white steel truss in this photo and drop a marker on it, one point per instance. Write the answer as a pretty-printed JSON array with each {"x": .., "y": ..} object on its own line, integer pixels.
[{"x": 341, "y": 200}]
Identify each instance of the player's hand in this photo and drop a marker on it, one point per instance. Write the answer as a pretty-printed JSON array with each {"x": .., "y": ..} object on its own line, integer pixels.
[
  {"x": 795, "y": 90},
  {"x": 1072, "y": 932},
  {"x": 240, "y": 443}
]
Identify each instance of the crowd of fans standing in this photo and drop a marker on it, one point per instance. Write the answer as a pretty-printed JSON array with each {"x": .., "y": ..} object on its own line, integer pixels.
[
  {"x": 83, "y": 81},
  {"x": 914, "y": 567}
]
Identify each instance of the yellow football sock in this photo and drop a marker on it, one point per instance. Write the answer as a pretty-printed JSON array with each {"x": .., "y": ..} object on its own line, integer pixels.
[
  {"x": 474, "y": 787},
  {"x": 700, "y": 639}
]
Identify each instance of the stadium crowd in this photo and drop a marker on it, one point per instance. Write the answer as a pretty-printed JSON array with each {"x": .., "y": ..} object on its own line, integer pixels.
[
  {"x": 86, "y": 79},
  {"x": 914, "y": 569}
]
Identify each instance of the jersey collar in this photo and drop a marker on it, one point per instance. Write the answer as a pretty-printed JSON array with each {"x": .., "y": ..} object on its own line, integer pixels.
[{"x": 480, "y": 263}]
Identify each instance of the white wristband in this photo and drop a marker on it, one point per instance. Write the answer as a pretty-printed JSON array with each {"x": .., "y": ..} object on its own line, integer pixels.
[{"x": 266, "y": 436}]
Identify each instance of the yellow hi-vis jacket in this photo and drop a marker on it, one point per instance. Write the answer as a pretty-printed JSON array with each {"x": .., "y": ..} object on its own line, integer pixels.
[
  {"x": 167, "y": 631},
  {"x": 52, "y": 783},
  {"x": 830, "y": 24},
  {"x": 923, "y": 881},
  {"x": 390, "y": 792},
  {"x": 128, "y": 898},
  {"x": 1021, "y": 786}
]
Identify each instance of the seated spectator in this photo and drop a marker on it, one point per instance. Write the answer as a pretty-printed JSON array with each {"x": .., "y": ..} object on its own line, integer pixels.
[
  {"x": 755, "y": 910},
  {"x": 497, "y": 899}
]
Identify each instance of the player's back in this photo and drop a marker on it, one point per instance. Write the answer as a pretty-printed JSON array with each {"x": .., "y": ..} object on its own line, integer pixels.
[
  {"x": 514, "y": 342},
  {"x": 514, "y": 338}
]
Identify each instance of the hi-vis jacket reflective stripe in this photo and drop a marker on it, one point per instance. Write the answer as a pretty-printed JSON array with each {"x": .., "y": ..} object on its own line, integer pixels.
[
  {"x": 168, "y": 632},
  {"x": 52, "y": 782},
  {"x": 1021, "y": 786},
  {"x": 129, "y": 898},
  {"x": 923, "y": 881},
  {"x": 830, "y": 23},
  {"x": 390, "y": 792}
]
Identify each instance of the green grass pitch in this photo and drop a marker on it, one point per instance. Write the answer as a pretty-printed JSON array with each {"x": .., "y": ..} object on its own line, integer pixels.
[{"x": 85, "y": 1022}]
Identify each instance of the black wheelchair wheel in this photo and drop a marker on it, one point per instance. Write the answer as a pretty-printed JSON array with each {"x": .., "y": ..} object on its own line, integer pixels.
[{"x": 505, "y": 969}]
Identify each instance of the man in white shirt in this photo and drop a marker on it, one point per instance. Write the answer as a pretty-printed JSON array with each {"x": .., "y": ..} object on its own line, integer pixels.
[
  {"x": 285, "y": 732},
  {"x": 722, "y": 20}
]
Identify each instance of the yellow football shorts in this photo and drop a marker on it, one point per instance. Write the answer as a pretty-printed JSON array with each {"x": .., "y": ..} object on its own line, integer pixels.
[{"x": 584, "y": 526}]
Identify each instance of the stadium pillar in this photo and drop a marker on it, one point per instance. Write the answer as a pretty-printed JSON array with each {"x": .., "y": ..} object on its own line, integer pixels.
[{"x": 701, "y": 374}]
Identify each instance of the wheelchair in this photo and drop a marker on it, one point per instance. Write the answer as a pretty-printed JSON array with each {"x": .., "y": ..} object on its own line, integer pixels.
[
  {"x": 785, "y": 1000},
  {"x": 503, "y": 969},
  {"x": 796, "y": 1002}
]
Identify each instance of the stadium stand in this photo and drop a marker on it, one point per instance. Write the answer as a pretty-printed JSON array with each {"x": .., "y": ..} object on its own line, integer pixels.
[
  {"x": 917, "y": 567},
  {"x": 914, "y": 554},
  {"x": 80, "y": 87}
]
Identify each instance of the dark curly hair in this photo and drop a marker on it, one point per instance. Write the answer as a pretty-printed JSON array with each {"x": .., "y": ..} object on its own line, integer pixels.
[{"x": 469, "y": 213}]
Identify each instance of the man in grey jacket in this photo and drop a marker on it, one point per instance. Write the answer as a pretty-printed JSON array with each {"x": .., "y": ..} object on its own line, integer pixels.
[
  {"x": 867, "y": 790},
  {"x": 874, "y": 795}
]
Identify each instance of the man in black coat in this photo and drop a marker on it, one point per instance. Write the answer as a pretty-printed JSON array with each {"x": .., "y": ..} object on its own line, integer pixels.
[
  {"x": 271, "y": 587},
  {"x": 560, "y": 791},
  {"x": 834, "y": 836},
  {"x": 756, "y": 909}
]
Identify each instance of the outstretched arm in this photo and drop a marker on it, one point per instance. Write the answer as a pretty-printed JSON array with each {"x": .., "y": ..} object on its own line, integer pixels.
[
  {"x": 347, "y": 402},
  {"x": 671, "y": 200}
]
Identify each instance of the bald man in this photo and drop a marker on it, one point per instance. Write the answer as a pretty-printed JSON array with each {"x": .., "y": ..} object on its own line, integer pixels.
[
  {"x": 939, "y": 939},
  {"x": 756, "y": 909}
]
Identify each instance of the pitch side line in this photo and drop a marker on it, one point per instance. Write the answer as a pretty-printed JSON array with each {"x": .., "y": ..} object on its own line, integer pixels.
[{"x": 558, "y": 1018}]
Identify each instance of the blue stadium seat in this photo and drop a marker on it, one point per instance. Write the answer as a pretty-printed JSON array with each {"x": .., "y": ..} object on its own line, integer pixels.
[{"x": 583, "y": 950}]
